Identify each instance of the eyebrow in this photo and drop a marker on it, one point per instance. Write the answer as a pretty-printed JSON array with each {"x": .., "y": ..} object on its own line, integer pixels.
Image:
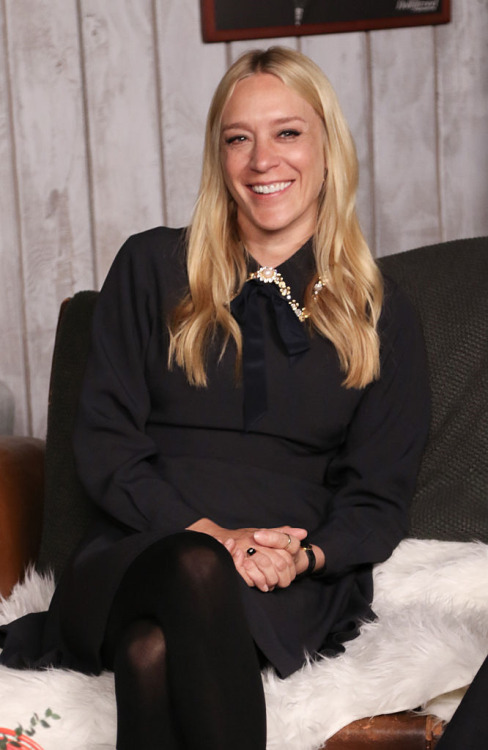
[{"x": 278, "y": 121}]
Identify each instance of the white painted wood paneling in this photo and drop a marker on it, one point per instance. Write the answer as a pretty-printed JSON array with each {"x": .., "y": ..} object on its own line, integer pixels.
[
  {"x": 122, "y": 116},
  {"x": 12, "y": 364},
  {"x": 404, "y": 137},
  {"x": 462, "y": 54},
  {"x": 236, "y": 49},
  {"x": 51, "y": 160},
  {"x": 344, "y": 58},
  {"x": 189, "y": 72}
]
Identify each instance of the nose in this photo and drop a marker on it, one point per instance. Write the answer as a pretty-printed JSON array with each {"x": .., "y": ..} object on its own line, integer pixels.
[{"x": 264, "y": 155}]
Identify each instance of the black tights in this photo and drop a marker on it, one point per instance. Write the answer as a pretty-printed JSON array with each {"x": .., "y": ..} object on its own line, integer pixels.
[{"x": 187, "y": 673}]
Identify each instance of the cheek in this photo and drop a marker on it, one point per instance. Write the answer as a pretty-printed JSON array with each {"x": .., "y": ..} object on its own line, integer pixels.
[
  {"x": 314, "y": 180},
  {"x": 230, "y": 171},
  {"x": 310, "y": 162},
  {"x": 230, "y": 168},
  {"x": 316, "y": 170},
  {"x": 226, "y": 173}
]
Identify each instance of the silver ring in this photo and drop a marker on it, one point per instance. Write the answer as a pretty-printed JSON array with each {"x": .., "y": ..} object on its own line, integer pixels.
[
  {"x": 251, "y": 551},
  {"x": 289, "y": 539}
]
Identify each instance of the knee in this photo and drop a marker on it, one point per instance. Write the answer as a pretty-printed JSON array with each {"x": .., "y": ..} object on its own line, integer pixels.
[
  {"x": 142, "y": 647},
  {"x": 202, "y": 560}
]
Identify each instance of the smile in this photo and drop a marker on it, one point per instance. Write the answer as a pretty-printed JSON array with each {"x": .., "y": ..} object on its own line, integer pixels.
[{"x": 275, "y": 187}]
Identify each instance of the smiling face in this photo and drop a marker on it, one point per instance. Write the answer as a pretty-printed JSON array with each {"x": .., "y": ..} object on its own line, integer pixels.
[{"x": 272, "y": 154}]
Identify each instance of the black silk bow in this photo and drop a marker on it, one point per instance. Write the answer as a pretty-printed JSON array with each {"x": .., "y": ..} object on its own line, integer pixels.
[{"x": 246, "y": 310}]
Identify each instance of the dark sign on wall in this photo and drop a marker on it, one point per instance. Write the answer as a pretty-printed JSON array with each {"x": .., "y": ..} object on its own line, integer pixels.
[{"x": 227, "y": 20}]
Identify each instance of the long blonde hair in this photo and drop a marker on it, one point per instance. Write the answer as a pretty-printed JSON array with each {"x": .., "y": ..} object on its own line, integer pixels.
[{"x": 347, "y": 309}]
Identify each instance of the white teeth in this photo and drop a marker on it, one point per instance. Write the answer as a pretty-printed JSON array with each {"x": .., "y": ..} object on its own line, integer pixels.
[{"x": 266, "y": 189}]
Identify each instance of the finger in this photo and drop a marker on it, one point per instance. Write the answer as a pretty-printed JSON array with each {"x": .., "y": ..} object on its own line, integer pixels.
[
  {"x": 230, "y": 545},
  {"x": 282, "y": 561},
  {"x": 284, "y": 565},
  {"x": 278, "y": 540},
  {"x": 262, "y": 573},
  {"x": 271, "y": 566},
  {"x": 239, "y": 559},
  {"x": 293, "y": 531},
  {"x": 277, "y": 567},
  {"x": 257, "y": 577}
]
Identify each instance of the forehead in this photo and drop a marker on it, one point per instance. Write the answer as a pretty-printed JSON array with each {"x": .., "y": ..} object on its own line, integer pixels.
[{"x": 265, "y": 95}]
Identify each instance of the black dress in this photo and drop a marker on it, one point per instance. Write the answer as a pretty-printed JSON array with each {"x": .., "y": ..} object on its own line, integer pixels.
[{"x": 156, "y": 454}]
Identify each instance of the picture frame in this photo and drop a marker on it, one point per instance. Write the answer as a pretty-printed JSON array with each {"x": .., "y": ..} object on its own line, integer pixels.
[{"x": 232, "y": 20}]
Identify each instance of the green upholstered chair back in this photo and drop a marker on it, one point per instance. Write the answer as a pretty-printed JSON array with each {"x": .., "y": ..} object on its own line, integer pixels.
[{"x": 448, "y": 284}]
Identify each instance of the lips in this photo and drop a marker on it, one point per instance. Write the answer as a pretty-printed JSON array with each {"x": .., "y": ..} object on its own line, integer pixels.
[{"x": 274, "y": 187}]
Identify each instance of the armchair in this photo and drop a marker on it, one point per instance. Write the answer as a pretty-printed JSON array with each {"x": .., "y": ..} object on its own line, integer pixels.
[{"x": 448, "y": 284}]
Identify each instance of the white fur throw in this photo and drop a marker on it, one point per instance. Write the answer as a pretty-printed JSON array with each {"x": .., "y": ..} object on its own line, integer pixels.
[{"x": 430, "y": 638}]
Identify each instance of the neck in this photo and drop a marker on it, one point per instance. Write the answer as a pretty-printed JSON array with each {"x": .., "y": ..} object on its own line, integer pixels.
[
  {"x": 273, "y": 255},
  {"x": 273, "y": 249}
]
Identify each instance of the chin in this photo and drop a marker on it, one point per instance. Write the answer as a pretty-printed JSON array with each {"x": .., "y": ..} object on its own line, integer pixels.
[{"x": 272, "y": 224}]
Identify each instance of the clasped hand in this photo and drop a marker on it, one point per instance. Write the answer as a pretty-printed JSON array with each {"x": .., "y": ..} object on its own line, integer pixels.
[{"x": 276, "y": 561}]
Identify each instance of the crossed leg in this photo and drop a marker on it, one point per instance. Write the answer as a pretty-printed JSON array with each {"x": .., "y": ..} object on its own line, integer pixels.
[{"x": 187, "y": 673}]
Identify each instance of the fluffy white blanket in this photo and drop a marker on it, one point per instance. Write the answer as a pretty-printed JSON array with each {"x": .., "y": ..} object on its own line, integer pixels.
[{"x": 430, "y": 638}]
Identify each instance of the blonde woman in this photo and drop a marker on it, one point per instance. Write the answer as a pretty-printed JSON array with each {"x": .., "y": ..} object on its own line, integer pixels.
[{"x": 253, "y": 414}]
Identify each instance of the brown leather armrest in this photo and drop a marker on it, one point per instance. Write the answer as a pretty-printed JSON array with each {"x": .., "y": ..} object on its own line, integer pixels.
[
  {"x": 401, "y": 731},
  {"x": 21, "y": 505}
]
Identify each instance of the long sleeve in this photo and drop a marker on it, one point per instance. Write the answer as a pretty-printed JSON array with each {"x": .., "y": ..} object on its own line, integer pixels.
[
  {"x": 115, "y": 457},
  {"x": 373, "y": 476}
]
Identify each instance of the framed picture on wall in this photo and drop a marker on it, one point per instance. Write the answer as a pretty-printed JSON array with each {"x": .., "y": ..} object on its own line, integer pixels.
[{"x": 229, "y": 20}]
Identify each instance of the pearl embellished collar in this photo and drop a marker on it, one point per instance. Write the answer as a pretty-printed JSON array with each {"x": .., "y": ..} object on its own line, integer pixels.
[{"x": 269, "y": 275}]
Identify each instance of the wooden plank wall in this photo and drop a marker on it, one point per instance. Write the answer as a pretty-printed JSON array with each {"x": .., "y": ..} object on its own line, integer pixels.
[{"x": 102, "y": 109}]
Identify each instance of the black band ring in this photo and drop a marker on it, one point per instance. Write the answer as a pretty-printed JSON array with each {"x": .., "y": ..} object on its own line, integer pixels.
[{"x": 251, "y": 551}]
